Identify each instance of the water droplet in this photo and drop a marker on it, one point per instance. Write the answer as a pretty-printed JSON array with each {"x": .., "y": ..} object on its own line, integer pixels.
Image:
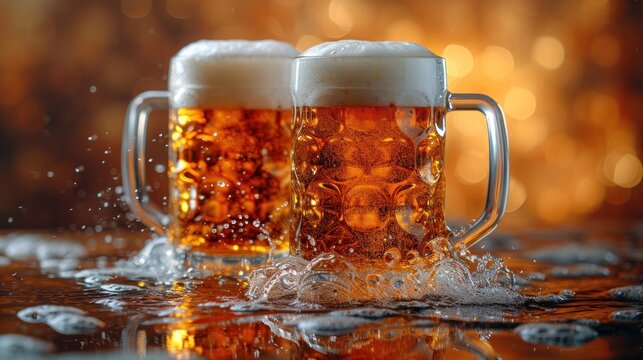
[
  {"x": 159, "y": 168},
  {"x": 92, "y": 137},
  {"x": 50, "y": 174},
  {"x": 92, "y": 89},
  {"x": 79, "y": 169}
]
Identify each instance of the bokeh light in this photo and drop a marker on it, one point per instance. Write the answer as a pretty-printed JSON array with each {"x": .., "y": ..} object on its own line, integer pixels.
[
  {"x": 459, "y": 60},
  {"x": 519, "y": 103},
  {"x": 497, "y": 62},
  {"x": 548, "y": 52},
  {"x": 567, "y": 74}
]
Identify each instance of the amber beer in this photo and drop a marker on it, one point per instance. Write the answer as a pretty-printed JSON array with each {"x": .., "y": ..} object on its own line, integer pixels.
[
  {"x": 368, "y": 153},
  {"x": 229, "y": 150},
  {"x": 229, "y": 174},
  {"x": 369, "y": 179}
]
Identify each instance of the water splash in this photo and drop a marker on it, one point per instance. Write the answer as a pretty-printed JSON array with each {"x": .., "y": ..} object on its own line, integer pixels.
[
  {"x": 330, "y": 280},
  {"x": 158, "y": 261}
]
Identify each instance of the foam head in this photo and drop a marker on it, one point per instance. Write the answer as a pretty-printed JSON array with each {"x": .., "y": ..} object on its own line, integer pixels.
[
  {"x": 232, "y": 74},
  {"x": 352, "y": 72}
]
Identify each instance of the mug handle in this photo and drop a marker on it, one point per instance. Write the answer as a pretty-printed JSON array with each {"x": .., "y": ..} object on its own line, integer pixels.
[
  {"x": 498, "y": 187},
  {"x": 133, "y": 159}
]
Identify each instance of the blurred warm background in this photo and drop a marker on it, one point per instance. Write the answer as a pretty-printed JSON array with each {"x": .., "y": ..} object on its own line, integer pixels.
[{"x": 569, "y": 75}]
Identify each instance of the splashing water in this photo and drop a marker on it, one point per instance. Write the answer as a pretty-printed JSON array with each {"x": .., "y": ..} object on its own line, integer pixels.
[
  {"x": 331, "y": 280},
  {"x": 156, "y": 296}
]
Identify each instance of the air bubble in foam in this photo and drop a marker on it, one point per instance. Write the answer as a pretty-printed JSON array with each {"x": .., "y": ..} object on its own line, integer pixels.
[
  {"x": 352, "y": 72},
  {"x": 232, "y": 74},
  {"x": 331, "y": 280}
]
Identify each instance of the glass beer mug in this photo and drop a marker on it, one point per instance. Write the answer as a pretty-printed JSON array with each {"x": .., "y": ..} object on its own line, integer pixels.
[
  {"x": 368, "y": 152},
  {"x": 229, "y": 167}
]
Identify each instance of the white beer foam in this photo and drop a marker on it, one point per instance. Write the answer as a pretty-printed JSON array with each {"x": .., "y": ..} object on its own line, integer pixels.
[
  {"x": 352, "y": 72},
  {"x": 232, "y": 74}
]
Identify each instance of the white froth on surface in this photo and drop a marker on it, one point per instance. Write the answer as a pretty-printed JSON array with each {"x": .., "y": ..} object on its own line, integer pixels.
[
  {"x": 42, "y": 313},
  {"x": 363, "y": 73},
  {"x": 344, "y": 48},
  {"x": 331, "y": 280},
  {"x": 232, "y": 74},
  {"x": 17, "y": 346},
  {"x": 562, "y": 335},
  {"x": 28, "y": 246},
  {"x": 73, "y": 324}
]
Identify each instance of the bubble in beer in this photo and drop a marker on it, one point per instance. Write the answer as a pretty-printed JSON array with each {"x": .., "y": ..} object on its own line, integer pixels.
[
  {"x": 374, "y": 143},
  {"x": 392, "y": 257},
  {"x": 230, "y": 132}
]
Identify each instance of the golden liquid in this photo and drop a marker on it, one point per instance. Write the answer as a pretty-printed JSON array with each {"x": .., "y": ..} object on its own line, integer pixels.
[
  {"x": 368, "y": 182},
  {"x": 229, "y": 180}
]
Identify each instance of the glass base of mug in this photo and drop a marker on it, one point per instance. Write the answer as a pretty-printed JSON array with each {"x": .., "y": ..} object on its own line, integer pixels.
[{"x": 228, "y": 266}]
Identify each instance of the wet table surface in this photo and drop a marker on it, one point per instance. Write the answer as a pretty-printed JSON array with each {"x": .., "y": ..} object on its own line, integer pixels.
[{"x": 131, "y": 314}]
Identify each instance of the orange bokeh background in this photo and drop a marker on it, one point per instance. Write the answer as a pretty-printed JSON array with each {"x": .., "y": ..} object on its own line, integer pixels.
[{"x": 567, "y": 73}]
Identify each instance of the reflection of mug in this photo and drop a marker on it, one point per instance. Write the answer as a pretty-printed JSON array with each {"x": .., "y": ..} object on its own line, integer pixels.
[
  {"x": 368, "y": 154},
  {"x": 229, "y": 164}
]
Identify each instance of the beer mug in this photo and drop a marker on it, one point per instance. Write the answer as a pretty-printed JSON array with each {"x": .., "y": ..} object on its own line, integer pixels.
[
  {"x": 229, "y": 145},
  {"x": 368, "y": 152}
]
